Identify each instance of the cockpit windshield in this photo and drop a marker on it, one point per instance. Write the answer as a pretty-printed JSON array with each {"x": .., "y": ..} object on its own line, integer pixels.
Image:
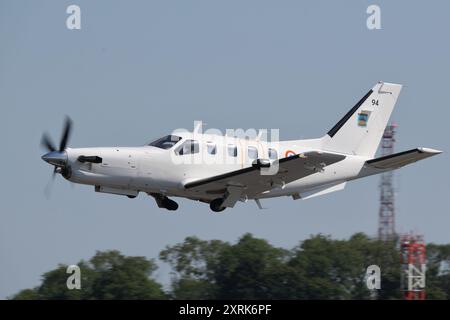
[{"x": 166, "y": 142}]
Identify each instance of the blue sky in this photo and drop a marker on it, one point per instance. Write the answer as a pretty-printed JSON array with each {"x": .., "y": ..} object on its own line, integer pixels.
[{"x": 137, "y": 70}]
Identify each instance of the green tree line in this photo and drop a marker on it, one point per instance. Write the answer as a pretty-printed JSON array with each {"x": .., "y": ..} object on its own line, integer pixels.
[{"x": 318, "y": 268}]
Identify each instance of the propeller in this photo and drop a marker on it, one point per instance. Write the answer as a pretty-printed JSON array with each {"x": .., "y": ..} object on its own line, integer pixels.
[
  {"x": 66, "y": 134},
  {"x": 57, "y": 157},
  {"x": 49, "y": 186},
  {"x": 48, "y": 143}
]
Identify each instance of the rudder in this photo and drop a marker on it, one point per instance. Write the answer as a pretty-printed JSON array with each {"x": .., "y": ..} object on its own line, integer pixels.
[{"x": 359, "y": 132}]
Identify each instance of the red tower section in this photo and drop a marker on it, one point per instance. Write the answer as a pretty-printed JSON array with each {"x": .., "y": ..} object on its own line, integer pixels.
[{"x": 413, "y": 259}]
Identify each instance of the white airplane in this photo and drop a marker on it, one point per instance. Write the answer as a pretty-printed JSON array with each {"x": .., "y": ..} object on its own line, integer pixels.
[{"x": 222, "y": 170}]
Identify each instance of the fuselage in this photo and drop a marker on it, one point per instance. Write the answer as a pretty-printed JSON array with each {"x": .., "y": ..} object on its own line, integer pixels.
[{"x": 165, "y": 169}]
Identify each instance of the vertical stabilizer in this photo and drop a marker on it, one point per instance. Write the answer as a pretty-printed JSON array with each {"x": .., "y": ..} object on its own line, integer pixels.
[{"x": 359, "y": 132}]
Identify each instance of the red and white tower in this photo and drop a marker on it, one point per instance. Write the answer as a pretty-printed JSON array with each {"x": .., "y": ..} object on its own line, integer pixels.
[{"x": 413, "y": 259}]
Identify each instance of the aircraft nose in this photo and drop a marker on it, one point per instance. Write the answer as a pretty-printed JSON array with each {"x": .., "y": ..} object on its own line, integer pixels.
[{"x": 56, "y": 158}]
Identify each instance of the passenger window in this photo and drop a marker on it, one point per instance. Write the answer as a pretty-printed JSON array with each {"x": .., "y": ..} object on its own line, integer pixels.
[
  {"x": 232, "y": 150},
  {"x": 273, "y": 155},
  {"x": 188, "y": 147},
  {"x": 211, "y": 148},
  {"x": 252, "y": 152}
]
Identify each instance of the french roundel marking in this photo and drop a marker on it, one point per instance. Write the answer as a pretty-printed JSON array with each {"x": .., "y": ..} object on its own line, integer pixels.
[{"x": 289, "y": 153}]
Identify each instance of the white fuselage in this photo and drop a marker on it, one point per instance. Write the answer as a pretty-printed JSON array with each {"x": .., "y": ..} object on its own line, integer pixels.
[{"x": 129, "y": 170}]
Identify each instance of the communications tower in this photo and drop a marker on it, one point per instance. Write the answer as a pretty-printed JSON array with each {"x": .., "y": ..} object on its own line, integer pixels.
[{"x": 386, "y": 217}]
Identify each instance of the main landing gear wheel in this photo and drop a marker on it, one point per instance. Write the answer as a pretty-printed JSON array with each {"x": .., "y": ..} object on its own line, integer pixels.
[{"x": 216, "y": 205}]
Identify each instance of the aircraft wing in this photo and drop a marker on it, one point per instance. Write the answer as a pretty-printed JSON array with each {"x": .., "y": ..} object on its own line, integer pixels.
[{"x": 251, "y": 182}]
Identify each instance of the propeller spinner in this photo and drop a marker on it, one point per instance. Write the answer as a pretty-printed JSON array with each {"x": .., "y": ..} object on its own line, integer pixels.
[{"x": 57, "y": 157}]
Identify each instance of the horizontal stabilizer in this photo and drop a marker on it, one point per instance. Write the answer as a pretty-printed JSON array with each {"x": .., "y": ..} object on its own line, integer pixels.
[{"x": 397, "y": 160}]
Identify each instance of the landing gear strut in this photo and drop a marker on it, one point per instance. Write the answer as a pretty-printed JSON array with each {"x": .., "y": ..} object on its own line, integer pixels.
[
  {"x": 163, "y": 202},
  {"x": 216, "y": 205}
]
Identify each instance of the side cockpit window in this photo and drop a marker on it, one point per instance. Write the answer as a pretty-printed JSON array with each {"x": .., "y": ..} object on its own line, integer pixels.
[
  {"x": 166, "y": 142},
  {"x": 188, "y": 147}
]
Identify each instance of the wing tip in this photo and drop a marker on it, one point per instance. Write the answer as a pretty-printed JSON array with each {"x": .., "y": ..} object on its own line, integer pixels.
[{"x": 429, "y": 150}]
